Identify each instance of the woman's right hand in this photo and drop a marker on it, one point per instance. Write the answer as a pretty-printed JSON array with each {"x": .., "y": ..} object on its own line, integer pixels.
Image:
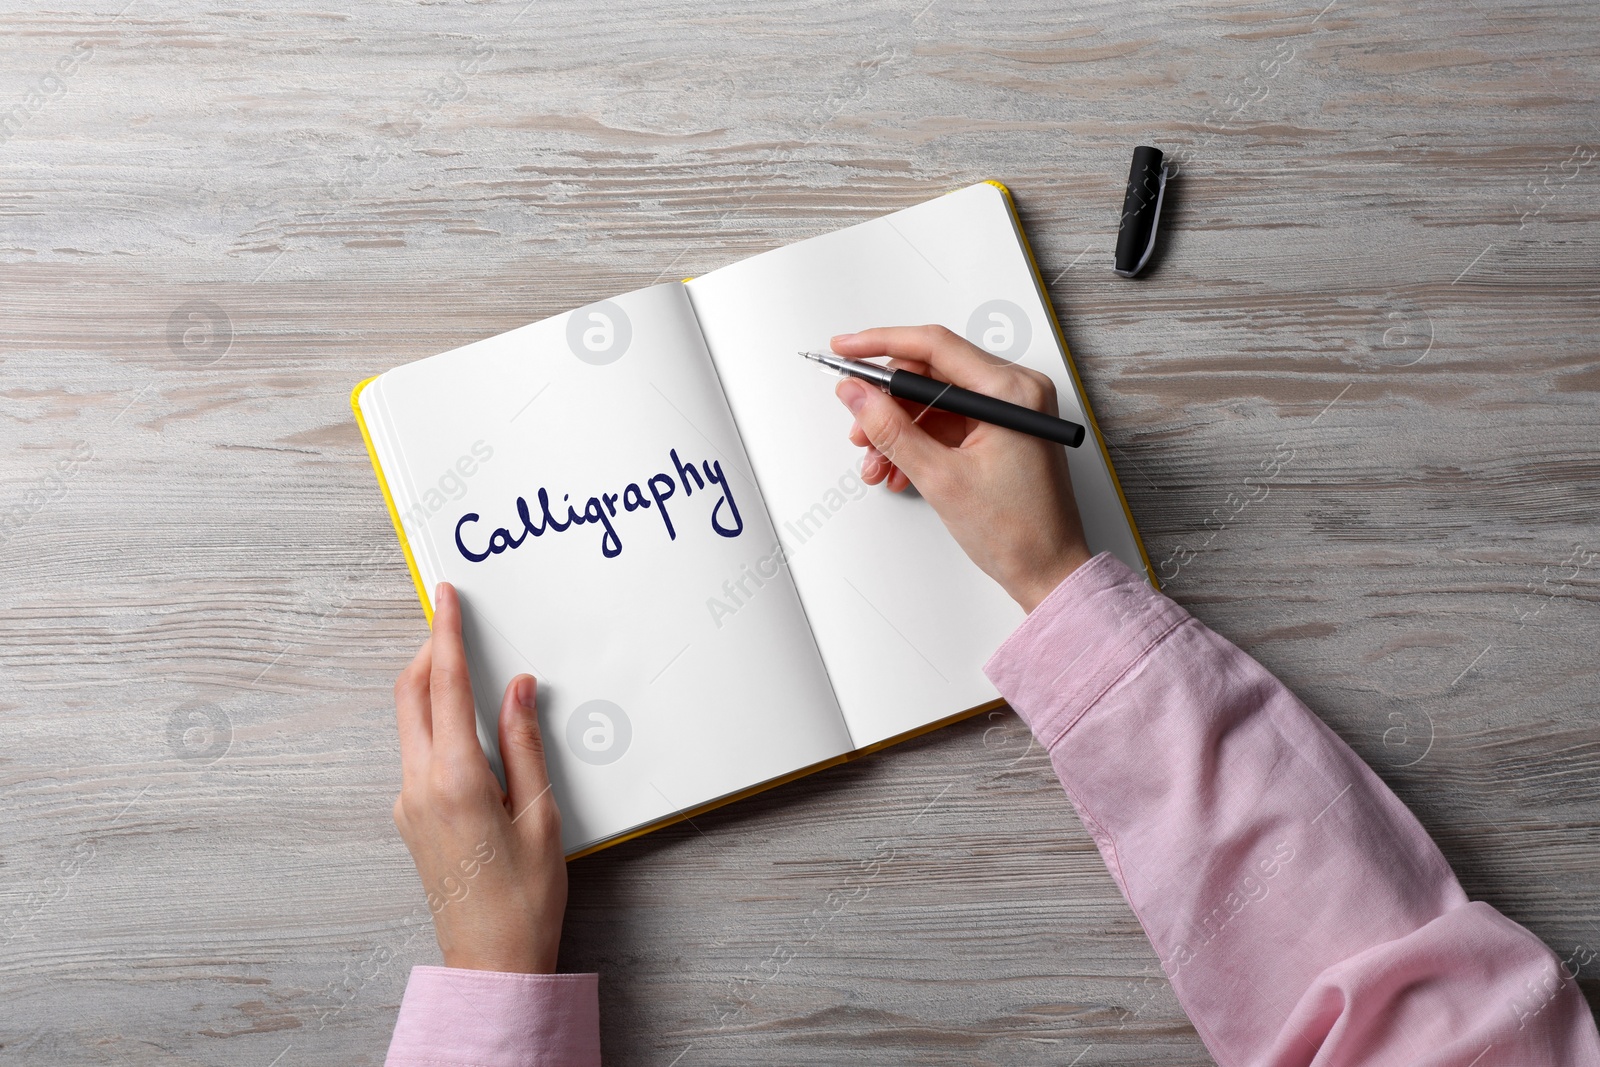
[{"x": 1004, "y": 496}]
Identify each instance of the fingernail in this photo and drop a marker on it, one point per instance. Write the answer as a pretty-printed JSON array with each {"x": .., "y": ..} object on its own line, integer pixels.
[
  {"x": 853, "y": 393},
  {"x": 525, "y": 691},
  {"x": 840, "y": 337}
]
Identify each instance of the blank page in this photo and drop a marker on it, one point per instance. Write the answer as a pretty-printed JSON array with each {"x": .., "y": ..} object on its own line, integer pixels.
[{"x": 903, "y": 619}]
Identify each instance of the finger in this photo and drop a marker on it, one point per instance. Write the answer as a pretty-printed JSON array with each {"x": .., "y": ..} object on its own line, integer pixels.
[
  {"x": 455, "y": 732},
  {"x": 947, "y": 356},
  {"x": 873, "y": 466},
  {"x": 522, "y": 748},
  {"x": 915, "y": 366},
  {"x": 894, "y": 432},
  {"x": 944, "y": 426},
  {"x": 897, "y": 480},
  {"x": 413, "y": 714}
]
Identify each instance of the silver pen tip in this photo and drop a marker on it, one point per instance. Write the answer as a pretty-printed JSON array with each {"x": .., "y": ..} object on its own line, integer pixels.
[{"x": 824, "y": 364}]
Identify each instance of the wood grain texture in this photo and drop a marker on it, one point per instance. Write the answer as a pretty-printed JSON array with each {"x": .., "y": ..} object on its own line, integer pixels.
[{"x": 1381, "y": 262}]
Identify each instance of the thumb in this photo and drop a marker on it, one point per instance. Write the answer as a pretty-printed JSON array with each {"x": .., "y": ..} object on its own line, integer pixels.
[
  {"x": 522, "y": 749},
  {"x": 894, "y": 433}
]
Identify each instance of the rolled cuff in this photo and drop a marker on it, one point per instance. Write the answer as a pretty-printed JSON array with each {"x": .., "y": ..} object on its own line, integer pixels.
[
  {"x": 453, "y": 1017},
  {"x": 1091, "y": 629}
]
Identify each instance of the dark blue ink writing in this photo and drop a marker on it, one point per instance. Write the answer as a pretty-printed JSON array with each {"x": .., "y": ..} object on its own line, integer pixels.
[{"x": 602, "y": 508}]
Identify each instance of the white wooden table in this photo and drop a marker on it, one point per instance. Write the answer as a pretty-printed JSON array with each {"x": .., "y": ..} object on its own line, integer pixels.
[{"x": 1381, "y": 267}]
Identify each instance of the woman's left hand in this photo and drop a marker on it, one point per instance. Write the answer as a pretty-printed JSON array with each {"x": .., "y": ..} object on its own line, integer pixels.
[{"x": 490, "y": 861}]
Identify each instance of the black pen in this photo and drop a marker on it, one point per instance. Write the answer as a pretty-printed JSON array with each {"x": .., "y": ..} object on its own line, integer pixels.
[{"x": 956, "y": 400}]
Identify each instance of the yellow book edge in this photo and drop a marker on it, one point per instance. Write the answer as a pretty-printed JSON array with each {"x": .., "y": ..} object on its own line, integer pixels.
[
  {"x": 1066, "y": 356},
  {"x": 388, "y": 498},
  {"x": 761, "y": 787}
]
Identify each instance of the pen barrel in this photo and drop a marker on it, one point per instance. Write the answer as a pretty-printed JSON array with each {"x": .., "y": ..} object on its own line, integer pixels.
[{"x": 959, "y": 401}]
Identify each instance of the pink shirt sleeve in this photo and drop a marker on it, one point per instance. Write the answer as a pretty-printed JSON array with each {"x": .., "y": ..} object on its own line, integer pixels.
[
  {"x": 1301, "y": 912},
  {"x": 457, "y": 1018}
]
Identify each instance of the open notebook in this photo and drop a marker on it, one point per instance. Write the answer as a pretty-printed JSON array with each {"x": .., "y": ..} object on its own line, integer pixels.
[{"x": 650, "y": 504}]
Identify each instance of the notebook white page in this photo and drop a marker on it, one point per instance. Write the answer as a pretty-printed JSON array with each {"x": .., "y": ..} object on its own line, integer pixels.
[
  {"x": 706, "y": 710},
  {"x": 904, "y": 620}
]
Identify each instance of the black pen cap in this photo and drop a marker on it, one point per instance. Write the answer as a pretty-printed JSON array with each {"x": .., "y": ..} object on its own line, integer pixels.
[{"x": 1141, "y": 211}]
